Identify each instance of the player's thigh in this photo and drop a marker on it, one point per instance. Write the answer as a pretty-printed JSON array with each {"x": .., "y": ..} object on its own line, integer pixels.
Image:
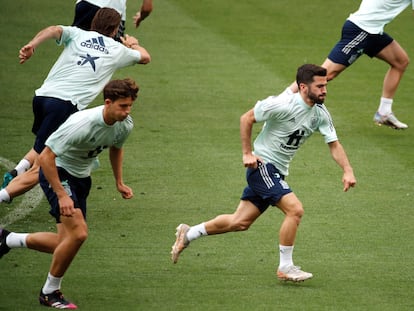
[
  {"x": 394, "y": 55},
  {"x": 333, "y": 69},
  {"x": 75, "y": 225},
  {"x": 246, "y": 212},
  {"x": 290, "y": 205}
]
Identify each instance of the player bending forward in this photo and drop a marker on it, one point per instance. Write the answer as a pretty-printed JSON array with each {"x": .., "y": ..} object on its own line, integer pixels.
[{"x": 66, "y": 163}]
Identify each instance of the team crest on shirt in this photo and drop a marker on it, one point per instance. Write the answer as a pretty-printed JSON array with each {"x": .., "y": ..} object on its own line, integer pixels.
[
  {"x": 88, "y": 59},
  {"x": 314, "y": 122}
]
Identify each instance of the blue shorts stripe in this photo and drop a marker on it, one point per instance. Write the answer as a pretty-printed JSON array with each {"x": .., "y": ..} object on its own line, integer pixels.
[
  {"x": 355, "y": 42},
  {"x": 266, "y": 186},
  {"x": 265, "y": 175}
]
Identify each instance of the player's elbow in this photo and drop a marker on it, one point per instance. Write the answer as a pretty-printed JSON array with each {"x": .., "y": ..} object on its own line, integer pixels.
[
  {"x": 45, "y": 157},
  {"x": 145, "y": 58}
]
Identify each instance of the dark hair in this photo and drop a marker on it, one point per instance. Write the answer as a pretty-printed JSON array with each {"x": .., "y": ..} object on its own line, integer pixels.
[
  {"x": 117, "y": 89},
  {"x": 106, "y": 21},
  {"x": 306, "y": 73}
]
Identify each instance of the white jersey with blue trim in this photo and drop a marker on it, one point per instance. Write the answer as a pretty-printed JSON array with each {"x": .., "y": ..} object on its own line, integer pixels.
[
  {"x": 86, "y": 64},
  {"x": 79, "y": 140},
  {"x": 373, "y": 15},
  {"x": 289, "y": 121}
]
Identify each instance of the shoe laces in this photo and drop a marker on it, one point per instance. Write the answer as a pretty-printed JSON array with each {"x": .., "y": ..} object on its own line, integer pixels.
[{"x": 295, "y": 269}]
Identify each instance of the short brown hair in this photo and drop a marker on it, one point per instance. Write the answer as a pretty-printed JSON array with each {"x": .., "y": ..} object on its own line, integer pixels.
[
  {"x": 117, "y": 89},
  {"x": 106, "y": 21},
  {"x": 306, "y": 73}
]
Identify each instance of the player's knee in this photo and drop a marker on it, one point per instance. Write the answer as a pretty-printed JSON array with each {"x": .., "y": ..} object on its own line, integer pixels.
[
  {"x": 332, "y": 75},
  {"x": 406, "y": 62},
  {"x": 402, "y": 63},
  {"x": 297, "y": 212},
  {"x": 241, "y": 225},
  {"x": 81, "y": 236}
]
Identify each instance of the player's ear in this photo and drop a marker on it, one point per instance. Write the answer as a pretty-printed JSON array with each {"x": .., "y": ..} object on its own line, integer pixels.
[
  {"x": 302, "y": 86},
  {"x": 107, "y": 101}
]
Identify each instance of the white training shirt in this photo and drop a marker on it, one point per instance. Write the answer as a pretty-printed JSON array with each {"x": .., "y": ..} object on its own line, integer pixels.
[
  {"x": 373, "y": 15},
  {"x": 85, "y": 66},
  {"x": 79, "y": 140},
  {"x": 118, "y": 5},
  {"x": 289, "y": 121}
]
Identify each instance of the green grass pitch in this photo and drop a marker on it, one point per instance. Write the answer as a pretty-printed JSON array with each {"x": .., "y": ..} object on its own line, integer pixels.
[{"x": 211, "y": 61}]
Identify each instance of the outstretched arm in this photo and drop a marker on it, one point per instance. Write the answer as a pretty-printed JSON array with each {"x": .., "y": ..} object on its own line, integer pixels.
[
  {"x": 146, "y": 9},
  {"x": 116, "y": 157},
  {"x": 51, "y": 32},
  {"x": 340, "y": 157}
]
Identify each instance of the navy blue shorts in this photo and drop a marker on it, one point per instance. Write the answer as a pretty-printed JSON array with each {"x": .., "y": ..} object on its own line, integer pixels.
[
  {"x": 266, "y": 186},
  {"x": 77, "y": 188},
  {"x": 49, "y": 114},
  {"x": 355, "y": 42},
  {"x": 84, "y": 14}
]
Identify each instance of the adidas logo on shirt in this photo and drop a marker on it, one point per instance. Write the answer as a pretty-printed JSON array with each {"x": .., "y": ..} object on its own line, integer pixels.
[{"x": 96, "y": 44}]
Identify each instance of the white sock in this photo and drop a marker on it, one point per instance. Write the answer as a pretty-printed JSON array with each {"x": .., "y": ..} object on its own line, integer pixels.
[
  {"x": 4, "y": 196},
  {"x": 196, "y": 231},
  {"x": 286, "y": 256},
  {"x": 16, "y": 240},
  {"x": 22, "y": 166},
  {"x": 385, "y": 107},
  {"x": 52, "y": 284}
]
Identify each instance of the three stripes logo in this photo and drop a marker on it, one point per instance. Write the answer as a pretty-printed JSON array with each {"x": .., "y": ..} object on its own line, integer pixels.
[
  {"x": 265, "y": 176},
  {"x": 95, "y": 44},
  {"x": 354, "y": 43}
]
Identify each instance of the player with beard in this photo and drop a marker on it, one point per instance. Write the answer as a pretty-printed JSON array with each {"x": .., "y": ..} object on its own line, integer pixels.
[{"x": 289, "y": 119}]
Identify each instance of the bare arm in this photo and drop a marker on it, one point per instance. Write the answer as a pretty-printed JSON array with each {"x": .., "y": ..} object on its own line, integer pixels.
[
  {"x": 51, "y": 32},
  {"x": 246, "y": 125},
  {"x": 116, "y": 157},
  {"x": 48, "y": 165},
  {"x": 146, "y": 9},
  {"x": 132, "y": 42},
  {"x": 340, "y": 157}
]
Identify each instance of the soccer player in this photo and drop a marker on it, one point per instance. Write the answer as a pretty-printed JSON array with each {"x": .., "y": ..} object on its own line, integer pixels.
[
  {"x": 363, "y": 33},
  {"x": 66, "y": 164},
  {"x": 85, "y": 11},
  {"x": 289, "y": 120},
  {"x": 86, "y": 64}
]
